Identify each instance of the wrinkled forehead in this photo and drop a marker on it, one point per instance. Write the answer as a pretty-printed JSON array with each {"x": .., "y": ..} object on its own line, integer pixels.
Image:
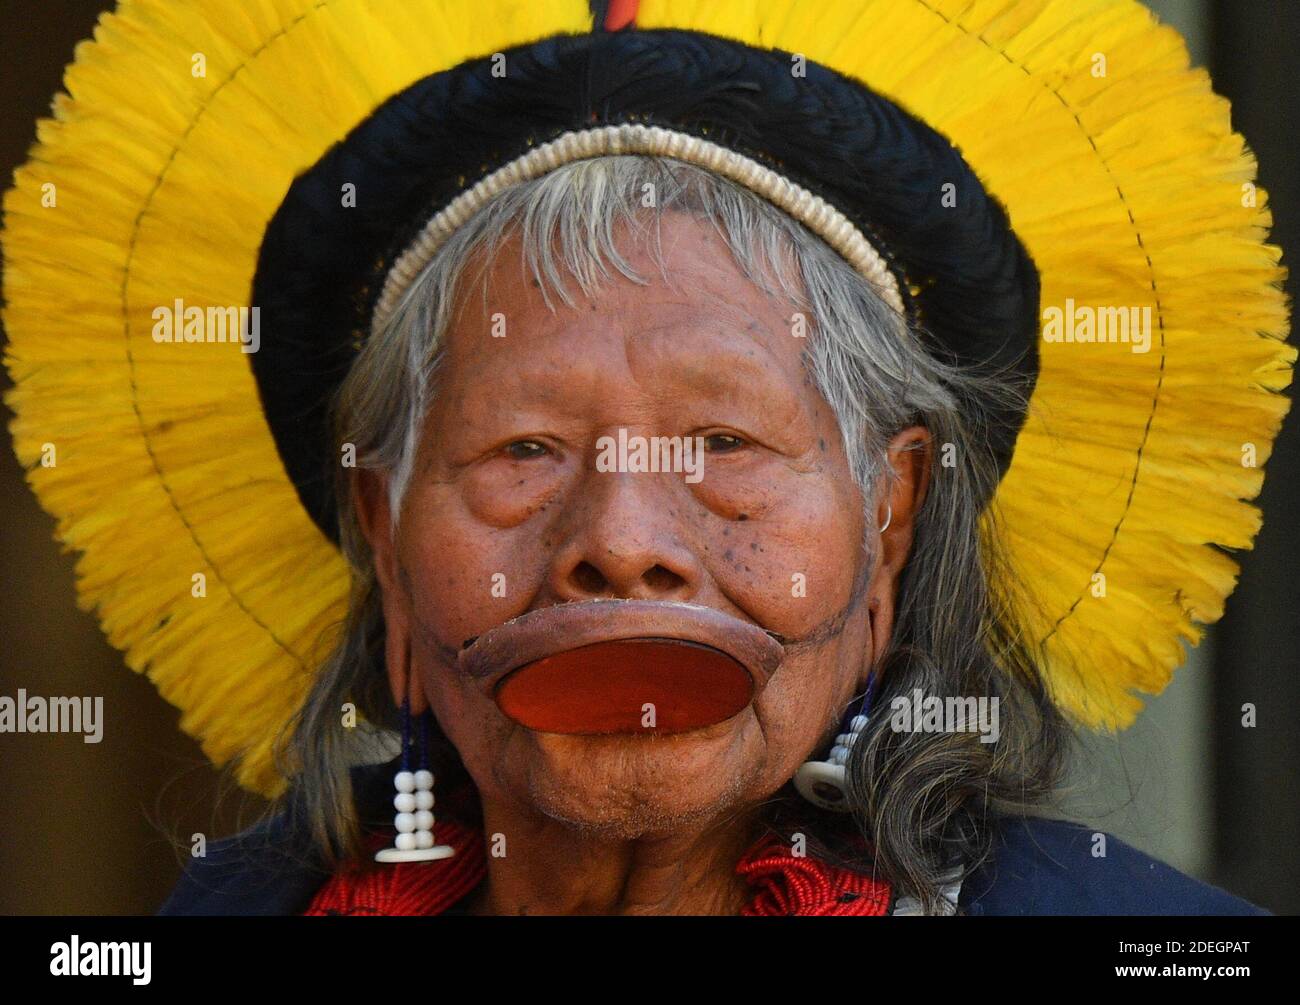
[
  {"x": 670, "y": 285},
  {"x": 681, "y": 250}
]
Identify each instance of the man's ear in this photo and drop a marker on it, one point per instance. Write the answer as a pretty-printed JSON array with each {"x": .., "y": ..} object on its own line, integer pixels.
[
  {"x": 375, "y": 517},
  {"x": 910, "y": 455}
]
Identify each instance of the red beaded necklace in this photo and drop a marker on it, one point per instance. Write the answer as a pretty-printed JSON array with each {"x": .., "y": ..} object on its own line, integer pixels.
[{"x": 783, "y": 884}]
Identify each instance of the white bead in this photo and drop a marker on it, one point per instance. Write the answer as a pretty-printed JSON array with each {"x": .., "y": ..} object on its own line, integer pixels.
[
  {"x": 839, "y": 754},
  {"x": 424, "y": 821},
  {"x": 424, "y": 839},
  {"x": 405, "y": 842},
  {"x": 405, "y": 781},
  {"x": 404, "y": 802},
  {"x": 858, "y": 724},
  {"x": 424, "y": 780},
  {"x": 404, "y": 822},
  {"x": 844, "y": 740},
  {"x": 424, "y": 800}
]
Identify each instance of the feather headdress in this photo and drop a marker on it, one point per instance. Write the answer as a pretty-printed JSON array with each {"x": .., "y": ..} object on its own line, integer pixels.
[{"x": 1091, "y": 170}]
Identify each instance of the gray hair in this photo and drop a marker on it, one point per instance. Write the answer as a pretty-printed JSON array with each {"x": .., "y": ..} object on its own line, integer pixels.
[{"x": 924, "y": 801}]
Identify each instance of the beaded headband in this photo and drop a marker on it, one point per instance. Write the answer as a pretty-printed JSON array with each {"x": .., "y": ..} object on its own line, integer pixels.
[{"x": 811, "y": 210}]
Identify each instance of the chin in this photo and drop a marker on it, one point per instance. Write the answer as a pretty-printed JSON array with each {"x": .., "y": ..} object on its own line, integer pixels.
[{"x": 627, "y": 788}]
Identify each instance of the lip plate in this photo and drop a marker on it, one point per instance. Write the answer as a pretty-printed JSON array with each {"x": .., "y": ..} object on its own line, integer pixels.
[
  {"x": 627, "y": 686},
  {"x": 590, "y": 667}
]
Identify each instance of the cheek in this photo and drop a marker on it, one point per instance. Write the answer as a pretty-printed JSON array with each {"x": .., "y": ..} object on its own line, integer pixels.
[
  {"x": 794, "y": 557},
  {"x": 808, "y": 696},
  {"x": 464, "y": 573}
]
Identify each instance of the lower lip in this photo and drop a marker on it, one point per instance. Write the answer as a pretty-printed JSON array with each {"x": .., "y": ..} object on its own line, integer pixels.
[{"x": 627, "y": 686}]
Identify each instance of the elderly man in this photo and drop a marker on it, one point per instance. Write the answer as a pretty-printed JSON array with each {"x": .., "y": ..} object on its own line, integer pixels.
[
  {"x": 677, "y": 407},
  {"x": 563, "y": 623}
]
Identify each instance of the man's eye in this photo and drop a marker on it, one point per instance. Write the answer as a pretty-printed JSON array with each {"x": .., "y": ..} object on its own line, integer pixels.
[
  {"x": 722, "y": 443},
  {"x": 523, "y": 450}
]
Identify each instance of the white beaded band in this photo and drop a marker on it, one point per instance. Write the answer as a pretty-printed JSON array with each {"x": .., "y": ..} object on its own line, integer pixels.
[{"x": 812, "y": 211}]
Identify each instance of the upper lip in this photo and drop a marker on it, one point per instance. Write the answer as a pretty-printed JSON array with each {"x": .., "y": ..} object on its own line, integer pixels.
[{"x": 561, "y": 627}]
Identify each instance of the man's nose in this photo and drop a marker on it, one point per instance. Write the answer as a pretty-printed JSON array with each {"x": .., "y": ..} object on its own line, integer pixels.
[{"x": 624, "y": 542}]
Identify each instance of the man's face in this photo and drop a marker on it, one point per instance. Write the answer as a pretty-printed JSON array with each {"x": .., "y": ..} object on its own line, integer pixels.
[{"x": 506, "y": 493}]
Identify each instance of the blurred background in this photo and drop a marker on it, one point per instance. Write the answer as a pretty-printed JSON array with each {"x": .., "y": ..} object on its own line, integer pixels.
[{"x": 88, "y": 828}]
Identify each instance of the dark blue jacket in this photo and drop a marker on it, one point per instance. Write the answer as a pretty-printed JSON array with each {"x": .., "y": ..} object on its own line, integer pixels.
[{"x": 1039, "y": 867}]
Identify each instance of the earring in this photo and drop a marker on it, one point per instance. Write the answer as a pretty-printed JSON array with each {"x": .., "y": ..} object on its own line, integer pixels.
[
  {"x": 889, "y": 517},
  {"x": 825, "y": 783},
  {"x": 414, "y": 801}
]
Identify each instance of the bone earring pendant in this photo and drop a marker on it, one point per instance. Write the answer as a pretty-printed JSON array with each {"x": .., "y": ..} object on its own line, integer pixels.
[
  {"x": 414, "y": 801},
  {"x": 825, "y": 783}
]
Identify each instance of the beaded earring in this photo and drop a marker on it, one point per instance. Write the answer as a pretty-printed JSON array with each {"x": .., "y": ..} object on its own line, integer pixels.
[
  {"x": 825, "y": 783},
  {"x": 414, "y": 800}
]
